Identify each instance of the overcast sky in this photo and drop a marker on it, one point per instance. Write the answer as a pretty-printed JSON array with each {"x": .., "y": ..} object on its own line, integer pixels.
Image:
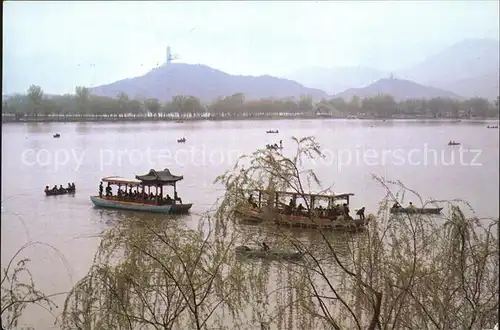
[{"x": 60, "y": 45}]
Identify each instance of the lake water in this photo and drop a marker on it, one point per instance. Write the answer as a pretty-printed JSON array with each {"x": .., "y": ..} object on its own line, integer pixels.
[{"x": 414, "y": 152}]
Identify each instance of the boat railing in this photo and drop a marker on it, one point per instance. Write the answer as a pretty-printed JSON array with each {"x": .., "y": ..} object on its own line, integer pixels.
[
  {"x": 284, "y": 209},
  {"x": 148, "y": 201}
]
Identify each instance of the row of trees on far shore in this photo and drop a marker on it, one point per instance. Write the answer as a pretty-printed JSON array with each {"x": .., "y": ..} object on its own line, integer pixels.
[{"x": 83, "y": 104}]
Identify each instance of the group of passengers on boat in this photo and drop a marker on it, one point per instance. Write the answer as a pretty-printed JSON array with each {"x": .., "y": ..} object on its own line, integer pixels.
[
  {"x": 275, "y": 146},
  {"x": 134, "y": 195},
  {"x": 61, "y": 189},
  {"x": 331, "y": 213},
  {"x": 397, "y": 206}
]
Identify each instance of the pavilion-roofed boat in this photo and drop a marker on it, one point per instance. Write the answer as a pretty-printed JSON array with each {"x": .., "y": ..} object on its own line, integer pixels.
[
  {"x": 268, "y": 209},
  {"x": 145, "y": 200}
]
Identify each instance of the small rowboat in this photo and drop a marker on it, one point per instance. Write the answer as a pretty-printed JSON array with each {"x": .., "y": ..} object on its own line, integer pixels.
[
  {"x": 453, "y": 143},
  {"x": 273, "y": 147},
  {"x": 424, "y": 210},
  {"x": 272, "y": 254},
  {"x": 55, "y": 136},
  {"x": 272, "y": 132},
  {"x": 59, "y": 192},
  {"x": 183, "y": 140}
]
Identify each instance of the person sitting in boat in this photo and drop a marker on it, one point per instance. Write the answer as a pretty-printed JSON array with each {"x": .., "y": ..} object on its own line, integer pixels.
[
  {"x": 361, "y": 213},
  {"x": 265, "y": 246},
  {"x": 73, "y": 186},
  {"x": 54, "y": 189},
  {"x": 168, "y": 199},
  {"x": 411, "y": 206},
  {"x": 330, "y": 213},
  {"x": 177, "y": 198},
  {"x": 318, "y": 210},
  {"x": 346, "y": 210},
  {"x": 151, "y": 196},
  {"x": 100, "y": 190},
  {"x": 251, "y": 201},
  {"x": 69, "y": 186},
  {"x": 300, "y": 208},
  {"x": 47, "y": 189},
  {"x": 281, "y": 144},
  {"x": 396, "y": 205},
  {"x": 109, "y": 191},
  {"x": 61, "y": 189}
]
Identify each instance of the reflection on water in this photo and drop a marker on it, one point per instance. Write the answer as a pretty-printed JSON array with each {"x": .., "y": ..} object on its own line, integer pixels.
[
  {"x": 71, "y": 224},
  {"x": 83, "y": 127},
  {"x": 38, "y": 127},
  {"x": 268, "y": 288}
]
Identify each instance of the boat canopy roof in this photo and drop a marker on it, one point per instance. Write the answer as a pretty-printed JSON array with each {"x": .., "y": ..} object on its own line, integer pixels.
[
  {"x": 159, "y": 177},
  {"x": 290, "y": 193},
  {"x": 120, "y": 180}
]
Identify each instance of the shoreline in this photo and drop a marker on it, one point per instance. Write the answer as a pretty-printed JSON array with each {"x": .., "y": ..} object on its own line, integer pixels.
[{"x": 259, "y": 118}]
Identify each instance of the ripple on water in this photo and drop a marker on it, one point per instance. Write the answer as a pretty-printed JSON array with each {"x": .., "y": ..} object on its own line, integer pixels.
[{"x": 72, "y": 225}]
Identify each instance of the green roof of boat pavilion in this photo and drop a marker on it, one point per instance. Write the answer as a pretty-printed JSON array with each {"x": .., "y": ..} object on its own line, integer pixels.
[{"x": 163, "y": 178}]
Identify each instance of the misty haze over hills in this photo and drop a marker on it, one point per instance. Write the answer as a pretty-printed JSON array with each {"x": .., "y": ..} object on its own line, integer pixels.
[
  {"x": 336, "y": 80},
  {"x": 205, "y": 83},
  {"x": 469, "y": 68},
  {"x": 466, "y": 69},
  {"x": 457, "y": 71},
  {"x": 250, "y": 47},
  {"x": 399, "y": 88}
]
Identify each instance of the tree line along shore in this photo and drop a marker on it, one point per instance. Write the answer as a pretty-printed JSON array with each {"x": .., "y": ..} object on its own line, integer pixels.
[{"x": 35, "y": 106}]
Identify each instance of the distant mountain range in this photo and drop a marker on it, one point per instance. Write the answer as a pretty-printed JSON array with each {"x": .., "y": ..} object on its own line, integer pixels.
[
  {"x": 400, "y": 89},
  {"x": 336, "y": 80},
  {"x": 206, "y": 83},
  {"x": 469, "y": 68}
]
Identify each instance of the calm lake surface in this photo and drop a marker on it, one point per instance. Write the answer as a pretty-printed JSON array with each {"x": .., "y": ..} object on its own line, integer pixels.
[{"x": 414, "y": 152}]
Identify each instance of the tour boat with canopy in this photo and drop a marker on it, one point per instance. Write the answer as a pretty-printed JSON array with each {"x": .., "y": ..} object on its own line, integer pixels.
[
  {"x": 323, "y": 211},
  {"x": 145, "y": 193}
]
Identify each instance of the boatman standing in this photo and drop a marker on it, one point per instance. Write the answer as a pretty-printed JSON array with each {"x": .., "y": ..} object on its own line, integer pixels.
[
  {"x": 100, "y": 190},
  {"x": 361, "y": 213}
]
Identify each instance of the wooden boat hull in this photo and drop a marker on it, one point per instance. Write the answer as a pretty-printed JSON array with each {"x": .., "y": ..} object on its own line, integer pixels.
[
  {"x": 428, "y": 210},
  {"x": 57, "y": 193},
  {"x": 143, "y": 207},
  {"x": 291, "y": 221},
  {"x": 270, "y": 255}
]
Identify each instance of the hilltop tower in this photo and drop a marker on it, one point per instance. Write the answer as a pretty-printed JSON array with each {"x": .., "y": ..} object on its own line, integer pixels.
[{"x": 169, "y": 56}]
